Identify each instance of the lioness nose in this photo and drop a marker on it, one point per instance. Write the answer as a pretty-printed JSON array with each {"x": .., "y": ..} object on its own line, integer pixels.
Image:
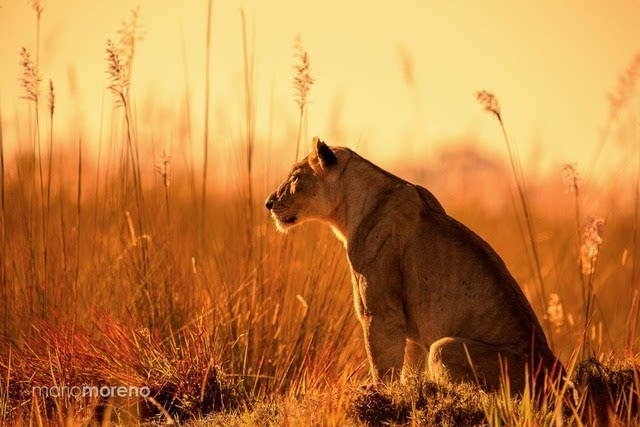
[{"x": 269, "y": 202}]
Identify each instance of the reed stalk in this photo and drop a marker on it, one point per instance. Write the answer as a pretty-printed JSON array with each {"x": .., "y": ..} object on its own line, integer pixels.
[
  {"x": 30, "y": 81},
  {"x": 76, "y": 282},
  {"x": 571, "y": 178},
  {"x": 491, "y": 104},
  {"x": 97, "y": 184},
  {"x": 302, "y": 82},
  {"x": 119, "y": 86},
  {"x": 589, "y": 254},
  {"x": 633, "y": 289},
  {"x": 187, "y": 106},
  {"x": 3, "y": 272},
  {"x": 248, "y": 60},
  {"x": 164, "y": 170},
  {"x": 205, "y": 162},
  {"x": 38, "y": 7},
  {"x": 63, "y": 227}
]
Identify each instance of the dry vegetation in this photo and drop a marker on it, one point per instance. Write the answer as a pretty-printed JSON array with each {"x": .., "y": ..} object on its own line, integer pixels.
[{"x": 126, "y": 269}]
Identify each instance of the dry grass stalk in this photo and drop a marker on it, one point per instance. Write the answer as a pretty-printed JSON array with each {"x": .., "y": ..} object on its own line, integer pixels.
[
  {"x": 571, "y": 179},
  {"x": 131, "y": 31},
  {"x": 589, "y": 250},
  {"x": 248, "y": 61},
  {"x": 119, "y": 71},
  {"x": 164, "y": 170},
  {"x": 63, "y": 227},
  {"x": 625, "y": 88},
  {"x": 188, "y": 130},
  {"x": 619, "y": 99},
  {"x": 30, "y": 82},
  {"x": 3, "y": 246},
  {"x": 588, "y": 241},
  {"x": 555, "y": 312},
  {"x": 205, "y": 161},
  {"x": 407, "y": 66},
  {"x": 51, "y": 105},
  {"x": 97, "y": 179},
  {"x": 119, "y": 85},
  {"x": 491, "y": 104},
  {"x": 76, "y": 283},
  {"x": 38, "y": 8},
  {"x": 52, "y": 98},
  {"x": 302, "y": 82},
  {"x": 591, "y": 241},
  {"x": 633, "y": 287}
]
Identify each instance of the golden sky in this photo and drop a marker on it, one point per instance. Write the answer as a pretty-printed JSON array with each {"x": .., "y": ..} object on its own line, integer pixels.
[{"x": 550, "y": 62}]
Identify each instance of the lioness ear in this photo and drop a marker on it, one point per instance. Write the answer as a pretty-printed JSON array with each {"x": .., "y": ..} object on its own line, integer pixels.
[{"x": 325, "y": 156}]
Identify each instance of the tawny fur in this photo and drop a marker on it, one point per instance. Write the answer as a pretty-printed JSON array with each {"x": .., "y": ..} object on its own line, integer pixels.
[{"x": 428, "y": 291}]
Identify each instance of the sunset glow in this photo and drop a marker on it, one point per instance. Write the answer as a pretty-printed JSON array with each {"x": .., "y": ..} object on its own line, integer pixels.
[{"x": 551, "y": 63}]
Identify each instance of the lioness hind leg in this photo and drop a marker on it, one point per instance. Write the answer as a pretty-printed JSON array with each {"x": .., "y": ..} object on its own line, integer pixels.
[
  {"x": 478, "y": 364},
  {"x": 415, "y": 360}
]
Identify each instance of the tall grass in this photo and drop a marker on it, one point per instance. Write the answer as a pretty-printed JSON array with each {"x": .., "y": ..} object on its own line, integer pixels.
[
  {"x": 205, "y": 150},
  {"x": 47, "y": 205},
  {"x": 76, "y": 282},
  {"x": 187, "y": 128},
  {"x": 491, "y": 104},
  {"x": 249, "y": 113},
  {"x": 633, "y": 287},
  {"x": 619, "y": 99},
  {"x": 119, "y": 71},
  {"x": 302, "y": 82},
  {"x": 30, "y": 81},
  {"x": 3, "y": 271}
]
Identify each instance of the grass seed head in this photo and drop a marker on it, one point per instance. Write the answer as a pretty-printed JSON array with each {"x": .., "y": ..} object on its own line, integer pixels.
[
  {"x": 489, "y": 102},
  {"x": 555, "y": 312},
  {"x": 37, "y": 6},
  {"x": 131, "y": 31},
  {"x": 302, "y": 81},
  {"x": 570, "y": 177},
  {"x": 52, "y": 98},
  {"x": 407, "y": 64},
  {"x": 591, "y": 241},
  {"x": 164, "y": 169},
  {"x": 626, "y": 87},
  {"x": 30, "y": 80},
  {"x": 117, "y": 71}
]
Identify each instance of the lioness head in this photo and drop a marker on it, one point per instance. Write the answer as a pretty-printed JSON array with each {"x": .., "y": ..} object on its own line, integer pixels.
[{"x": 309, "y": 190}]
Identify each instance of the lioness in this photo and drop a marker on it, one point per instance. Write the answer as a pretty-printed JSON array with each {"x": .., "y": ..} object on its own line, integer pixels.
[{"x": 421, "y": 280}]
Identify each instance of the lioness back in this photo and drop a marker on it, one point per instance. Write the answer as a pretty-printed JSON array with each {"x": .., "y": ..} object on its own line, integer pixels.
[{"x": 461, "y": 272}]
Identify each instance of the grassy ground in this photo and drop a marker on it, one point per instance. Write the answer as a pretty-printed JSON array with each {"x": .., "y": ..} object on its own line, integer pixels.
[
  {"x": 257, "y": 327},
  {"x": 124, "y": 268}
]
